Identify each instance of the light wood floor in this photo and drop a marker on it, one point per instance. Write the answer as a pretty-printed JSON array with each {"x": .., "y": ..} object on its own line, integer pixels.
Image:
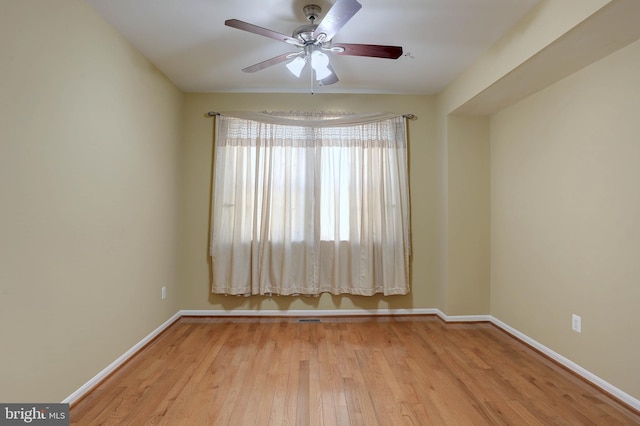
[{"x": 348, "y": 371}]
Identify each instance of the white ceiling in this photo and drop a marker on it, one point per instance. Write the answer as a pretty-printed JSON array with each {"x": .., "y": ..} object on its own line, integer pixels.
[{"x": 188, "y": 41}]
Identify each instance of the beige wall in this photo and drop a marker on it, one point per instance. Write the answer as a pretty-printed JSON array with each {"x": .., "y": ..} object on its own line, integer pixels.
[
  {"x": 467, "y": 226},
  {"x": 89, "y": 134},
  {"x": 197, "y": 178},
  {"x": 565, "y": 226}
]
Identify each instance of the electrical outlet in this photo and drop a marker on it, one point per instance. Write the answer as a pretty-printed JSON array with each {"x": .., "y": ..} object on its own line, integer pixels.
[
  {"x": 576, "y": 323},
  {"x": 164, "y": 293}
]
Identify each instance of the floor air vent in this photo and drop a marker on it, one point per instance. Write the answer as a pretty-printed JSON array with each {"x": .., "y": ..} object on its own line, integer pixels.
[{"x": 309, "y": 320}]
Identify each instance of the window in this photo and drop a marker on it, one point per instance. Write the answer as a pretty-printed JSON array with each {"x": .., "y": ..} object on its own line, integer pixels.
[{"x": 306, "y": 209}]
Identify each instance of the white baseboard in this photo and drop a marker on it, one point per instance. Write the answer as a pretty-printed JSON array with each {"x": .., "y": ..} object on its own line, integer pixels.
[
  {"x": 582, "y": 372},
  {"x": 306, "y": 312},
  {"x": 93, "y": 382},
  {"x": 464, "y": 318},
  {"x": 336, "y": 312},
  {"x": 587, "y": 375}
]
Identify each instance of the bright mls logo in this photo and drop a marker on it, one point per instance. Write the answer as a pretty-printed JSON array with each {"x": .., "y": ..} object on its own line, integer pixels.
[{"x": 36, "y": 414}]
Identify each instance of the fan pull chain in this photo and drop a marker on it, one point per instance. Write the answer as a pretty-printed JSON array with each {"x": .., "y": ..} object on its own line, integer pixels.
[{"x": 311, "y": 79}]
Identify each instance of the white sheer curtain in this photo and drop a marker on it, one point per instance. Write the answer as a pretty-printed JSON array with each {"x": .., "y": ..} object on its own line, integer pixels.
[{"x": 310, "y": 204}]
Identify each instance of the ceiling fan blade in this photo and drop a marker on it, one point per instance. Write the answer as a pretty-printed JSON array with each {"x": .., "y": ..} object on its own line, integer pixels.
[
  {"x": 332, "y": 79},
  {"x": 339, "y": 14},
  {"x": 245, "y": 26},
  {"x": 270, "y": 62},
  {"x": 372, "y": 50}
]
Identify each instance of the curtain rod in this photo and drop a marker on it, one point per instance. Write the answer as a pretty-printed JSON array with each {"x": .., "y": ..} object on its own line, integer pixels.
[{"x": 215, "y": 113}]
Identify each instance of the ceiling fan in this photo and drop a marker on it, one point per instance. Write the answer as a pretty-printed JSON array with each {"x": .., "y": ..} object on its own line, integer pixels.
[{"x": 314, "y": 41}]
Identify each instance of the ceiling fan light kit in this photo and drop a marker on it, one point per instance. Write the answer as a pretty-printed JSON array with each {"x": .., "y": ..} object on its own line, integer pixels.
[{"x": 314, "y": 41}]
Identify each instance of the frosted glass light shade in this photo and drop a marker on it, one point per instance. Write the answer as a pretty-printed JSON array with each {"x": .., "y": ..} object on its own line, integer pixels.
[
  {"x": 297, "y": 65},
  {"x": 320, "y": 64}
]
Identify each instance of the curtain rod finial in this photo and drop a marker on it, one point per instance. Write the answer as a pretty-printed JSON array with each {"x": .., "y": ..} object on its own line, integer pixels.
[{"x": 211, "y": 114}]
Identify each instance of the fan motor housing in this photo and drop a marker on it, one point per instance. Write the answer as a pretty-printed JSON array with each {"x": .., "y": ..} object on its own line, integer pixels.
[{"x": 304, "y": 33}]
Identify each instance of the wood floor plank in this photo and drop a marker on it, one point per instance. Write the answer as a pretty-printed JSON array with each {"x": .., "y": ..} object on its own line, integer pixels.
[{"x": 343, "y": 371}]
